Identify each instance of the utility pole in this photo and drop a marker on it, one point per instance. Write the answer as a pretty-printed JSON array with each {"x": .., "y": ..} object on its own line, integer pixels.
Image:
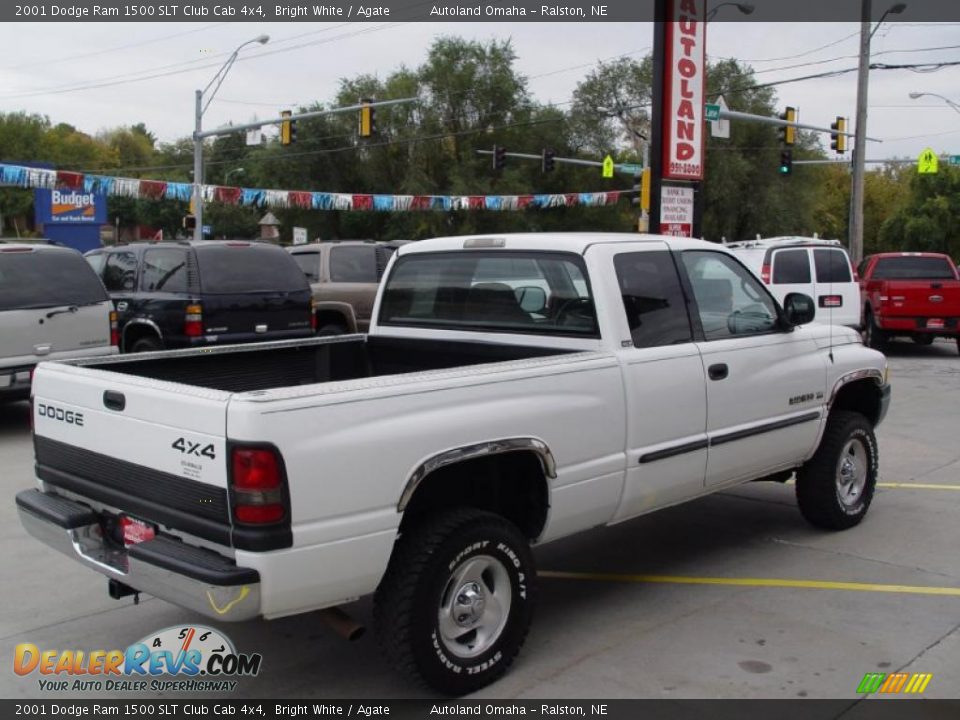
[
  {"x": 198, "y": 170},
  {"x": 859, "y": 151}
]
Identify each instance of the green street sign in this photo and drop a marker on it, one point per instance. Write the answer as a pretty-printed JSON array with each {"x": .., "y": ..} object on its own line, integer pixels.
[
  {"x": 634, "y": 169},
  {"x": 955, "y": 159},
  {"x": 713, "y": 112}
]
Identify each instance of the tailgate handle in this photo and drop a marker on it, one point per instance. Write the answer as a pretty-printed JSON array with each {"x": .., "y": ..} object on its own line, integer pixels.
[{"x": 114, "y": 400}]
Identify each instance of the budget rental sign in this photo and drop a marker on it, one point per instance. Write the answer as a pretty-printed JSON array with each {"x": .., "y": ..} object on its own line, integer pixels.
[
  {"x": 70, "y": 206},
  {"x": 683, "y": 90}
]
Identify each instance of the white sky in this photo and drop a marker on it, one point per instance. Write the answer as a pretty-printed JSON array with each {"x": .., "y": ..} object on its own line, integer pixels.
[{"x": 304, "y": 61}]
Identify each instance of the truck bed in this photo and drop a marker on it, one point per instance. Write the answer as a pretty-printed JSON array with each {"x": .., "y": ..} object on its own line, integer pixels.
[{"x": 246, "y": 368}]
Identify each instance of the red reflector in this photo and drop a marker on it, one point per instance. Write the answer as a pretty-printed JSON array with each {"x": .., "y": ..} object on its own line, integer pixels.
[
  {"x": 261, "y": 514},
  {"x": 16, "y": 249},
  {"x": 765, "y": 274}
]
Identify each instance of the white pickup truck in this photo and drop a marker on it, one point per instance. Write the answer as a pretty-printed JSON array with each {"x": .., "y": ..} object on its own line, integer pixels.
[{"x": 512, "y": 390}]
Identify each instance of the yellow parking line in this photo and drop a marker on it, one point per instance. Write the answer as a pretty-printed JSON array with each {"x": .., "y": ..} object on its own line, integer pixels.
[
  {"x": 918, "y": 486},
  {"x": 754, "y": 582}
]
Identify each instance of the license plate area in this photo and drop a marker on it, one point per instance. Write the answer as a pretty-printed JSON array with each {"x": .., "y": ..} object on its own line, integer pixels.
[{"x": 134, "y": 531}]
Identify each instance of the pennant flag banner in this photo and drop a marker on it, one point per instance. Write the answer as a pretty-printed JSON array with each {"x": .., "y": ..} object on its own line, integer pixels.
[{"x": 25, "y": 177}]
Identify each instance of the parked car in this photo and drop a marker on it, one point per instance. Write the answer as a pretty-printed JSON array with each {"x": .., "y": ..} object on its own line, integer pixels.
[
  {"x": 187, "y": 294},
  {"x": 812, "y": 266},
  {"x": 344, "y": 277},
  {"x": 421, "y": 461},
  {"x": 52, "y": 307},
  {"x": 911, "y": 294}
]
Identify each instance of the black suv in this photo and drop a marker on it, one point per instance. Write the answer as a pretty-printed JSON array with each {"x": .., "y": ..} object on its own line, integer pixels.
[{"x": 190, "y": 294}]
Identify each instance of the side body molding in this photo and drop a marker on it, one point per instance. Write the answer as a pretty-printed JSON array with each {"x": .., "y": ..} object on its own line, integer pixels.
[{"x": 470, "y": 452}]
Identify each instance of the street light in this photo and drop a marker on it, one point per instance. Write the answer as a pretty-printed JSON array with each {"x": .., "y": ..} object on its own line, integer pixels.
[
  {"x": 201, "y": 108},
  {"x": 948, "y": 101},
  {"x": 745, "y": 8},
  {"x": 228, "y": 173},
  {"x": 860, "y": 133}
]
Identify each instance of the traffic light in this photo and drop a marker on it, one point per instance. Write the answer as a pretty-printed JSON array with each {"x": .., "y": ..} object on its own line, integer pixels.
[
  {"x": 499, "y": 157},
  {"x": 190, "y": 222},
  {"x": 786, "y": 161},
  {"x": 288, "y": 129},
  {"x": 838, "y": 141},
  {"x": 368, "y": 118},
  {"x": 641, "y": 186},
  {"x": 788, "y": 133},
  {"x": 547, "y": 162}
]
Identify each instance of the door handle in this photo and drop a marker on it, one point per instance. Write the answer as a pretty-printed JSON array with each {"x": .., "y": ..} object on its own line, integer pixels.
[{"x": 718, "y": 371}]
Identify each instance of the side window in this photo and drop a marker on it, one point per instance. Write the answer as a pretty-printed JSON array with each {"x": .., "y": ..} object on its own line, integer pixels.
[
  {"x": 309, "y": 262},
  {"x": 832, "y": 266},
  {"x": 120, "y": 272},
  {"x": 730, "y": 300},
  {"x": 791, "y": 267},
  {"x": 652, "y": 298},
  {"x": 164, "y": 270},
  {"x": 353, "y": 264},
  {"x": 96, "y": 262}
]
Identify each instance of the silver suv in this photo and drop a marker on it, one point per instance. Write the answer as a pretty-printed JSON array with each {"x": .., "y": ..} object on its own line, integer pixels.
[{"x": 52, "y": 307}]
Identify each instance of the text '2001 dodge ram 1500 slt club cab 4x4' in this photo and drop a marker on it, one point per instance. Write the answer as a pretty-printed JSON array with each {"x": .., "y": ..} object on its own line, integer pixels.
[{"x": 512, "y": 390}]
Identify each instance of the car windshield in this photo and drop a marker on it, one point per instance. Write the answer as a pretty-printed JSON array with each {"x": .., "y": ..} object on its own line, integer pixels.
[
  {"x": 513, "y": 292},
  {"x": 47, "y": 279}
]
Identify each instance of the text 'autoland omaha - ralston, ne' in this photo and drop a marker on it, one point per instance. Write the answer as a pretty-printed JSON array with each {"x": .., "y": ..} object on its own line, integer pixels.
[{"x": 517, "y": 11}]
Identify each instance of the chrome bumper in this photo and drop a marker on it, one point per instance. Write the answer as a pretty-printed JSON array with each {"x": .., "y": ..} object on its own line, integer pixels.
[{"x": 190, "y": 577}]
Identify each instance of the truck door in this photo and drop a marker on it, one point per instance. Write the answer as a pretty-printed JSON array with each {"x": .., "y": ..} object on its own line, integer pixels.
[
  {"x": 765, "y": 385},
  {"x": 666, "y": 452}
]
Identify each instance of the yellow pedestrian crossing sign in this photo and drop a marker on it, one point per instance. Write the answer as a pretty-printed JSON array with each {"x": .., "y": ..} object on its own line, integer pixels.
[
  {"x": 608, "y": 167},
  {"x": 927, "y": 162}
]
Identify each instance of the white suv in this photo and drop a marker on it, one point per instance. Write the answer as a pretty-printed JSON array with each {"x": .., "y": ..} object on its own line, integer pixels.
[
  {"x": 812, "y": 266},
  {"x": 52, "y": 307}
]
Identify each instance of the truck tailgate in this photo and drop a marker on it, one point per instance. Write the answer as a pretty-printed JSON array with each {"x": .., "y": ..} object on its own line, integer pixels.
[
  {"x": 154, "y": 449},
  {"x": 922, "y": 298}
]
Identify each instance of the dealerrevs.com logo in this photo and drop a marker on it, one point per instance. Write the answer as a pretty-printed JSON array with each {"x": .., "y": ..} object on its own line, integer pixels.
[{"x": 198, "y": 658}]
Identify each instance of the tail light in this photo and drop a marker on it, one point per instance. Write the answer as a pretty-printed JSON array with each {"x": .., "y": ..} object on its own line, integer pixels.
[
  {"x": 831, "y": 301},
  {"x": 193, "y": 321},
  {"x": 765, "y": 273},
  {"x": 257, "y": 484},
  {"x": 114, "y": 329},
  {"x": 313, "y": 314}
]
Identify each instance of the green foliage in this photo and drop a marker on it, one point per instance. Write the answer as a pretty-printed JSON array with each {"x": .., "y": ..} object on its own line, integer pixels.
[{"x": 928, "y": 217}]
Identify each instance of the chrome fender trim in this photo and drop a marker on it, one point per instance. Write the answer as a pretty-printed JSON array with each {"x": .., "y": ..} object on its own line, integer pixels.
[
  {"x": 470, "y": 452},
  {"x": 141, "y": 321},
  {"x": 868, "y": 373}
]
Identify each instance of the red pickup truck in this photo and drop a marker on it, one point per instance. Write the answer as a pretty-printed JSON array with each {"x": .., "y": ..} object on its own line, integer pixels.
[{"x": 912, "y": 294}]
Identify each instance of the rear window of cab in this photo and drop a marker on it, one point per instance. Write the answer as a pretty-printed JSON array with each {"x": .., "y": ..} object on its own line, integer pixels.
[{"x": 39, "y": 279}]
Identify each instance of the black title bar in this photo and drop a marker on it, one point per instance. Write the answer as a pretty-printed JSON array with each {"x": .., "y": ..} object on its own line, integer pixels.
[{"x": 254, "y": 11}]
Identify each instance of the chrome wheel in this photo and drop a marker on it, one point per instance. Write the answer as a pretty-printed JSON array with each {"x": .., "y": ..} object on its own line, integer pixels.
[
  {"x": 851, "y": 473},
  {"x": 474, "y": 606}
]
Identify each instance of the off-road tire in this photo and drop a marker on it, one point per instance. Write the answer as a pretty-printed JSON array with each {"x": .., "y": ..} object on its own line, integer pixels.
[
  {"x": 873, "y": 337},
  {"x": 408, "y": 603},
  {"x": 331, "y": 329},
  {"x": 146, "y": 344},
  {"x": 819, "y": 482}
]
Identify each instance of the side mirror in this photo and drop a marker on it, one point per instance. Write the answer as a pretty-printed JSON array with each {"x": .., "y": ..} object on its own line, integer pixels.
[
  {"x": 798, "y": 309},
  {"x": 532, "y": 299}
]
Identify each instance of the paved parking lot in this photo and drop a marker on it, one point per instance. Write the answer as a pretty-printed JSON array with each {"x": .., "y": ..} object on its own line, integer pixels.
[{"x": 731, "y": 596}]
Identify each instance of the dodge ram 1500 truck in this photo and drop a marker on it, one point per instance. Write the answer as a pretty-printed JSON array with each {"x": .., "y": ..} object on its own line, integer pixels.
[{"x": 512, "y": 390}]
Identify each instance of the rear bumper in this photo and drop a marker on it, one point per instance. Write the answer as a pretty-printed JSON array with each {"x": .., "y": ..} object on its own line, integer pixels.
[
  {"x": 918, "y": 325},
  {"x": 191, "y": 577}
]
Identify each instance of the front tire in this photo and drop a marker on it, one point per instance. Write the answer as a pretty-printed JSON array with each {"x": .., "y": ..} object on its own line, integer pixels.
[
  {"x": 835, "y": 487},
  {"x": 456, "y": 602}
]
